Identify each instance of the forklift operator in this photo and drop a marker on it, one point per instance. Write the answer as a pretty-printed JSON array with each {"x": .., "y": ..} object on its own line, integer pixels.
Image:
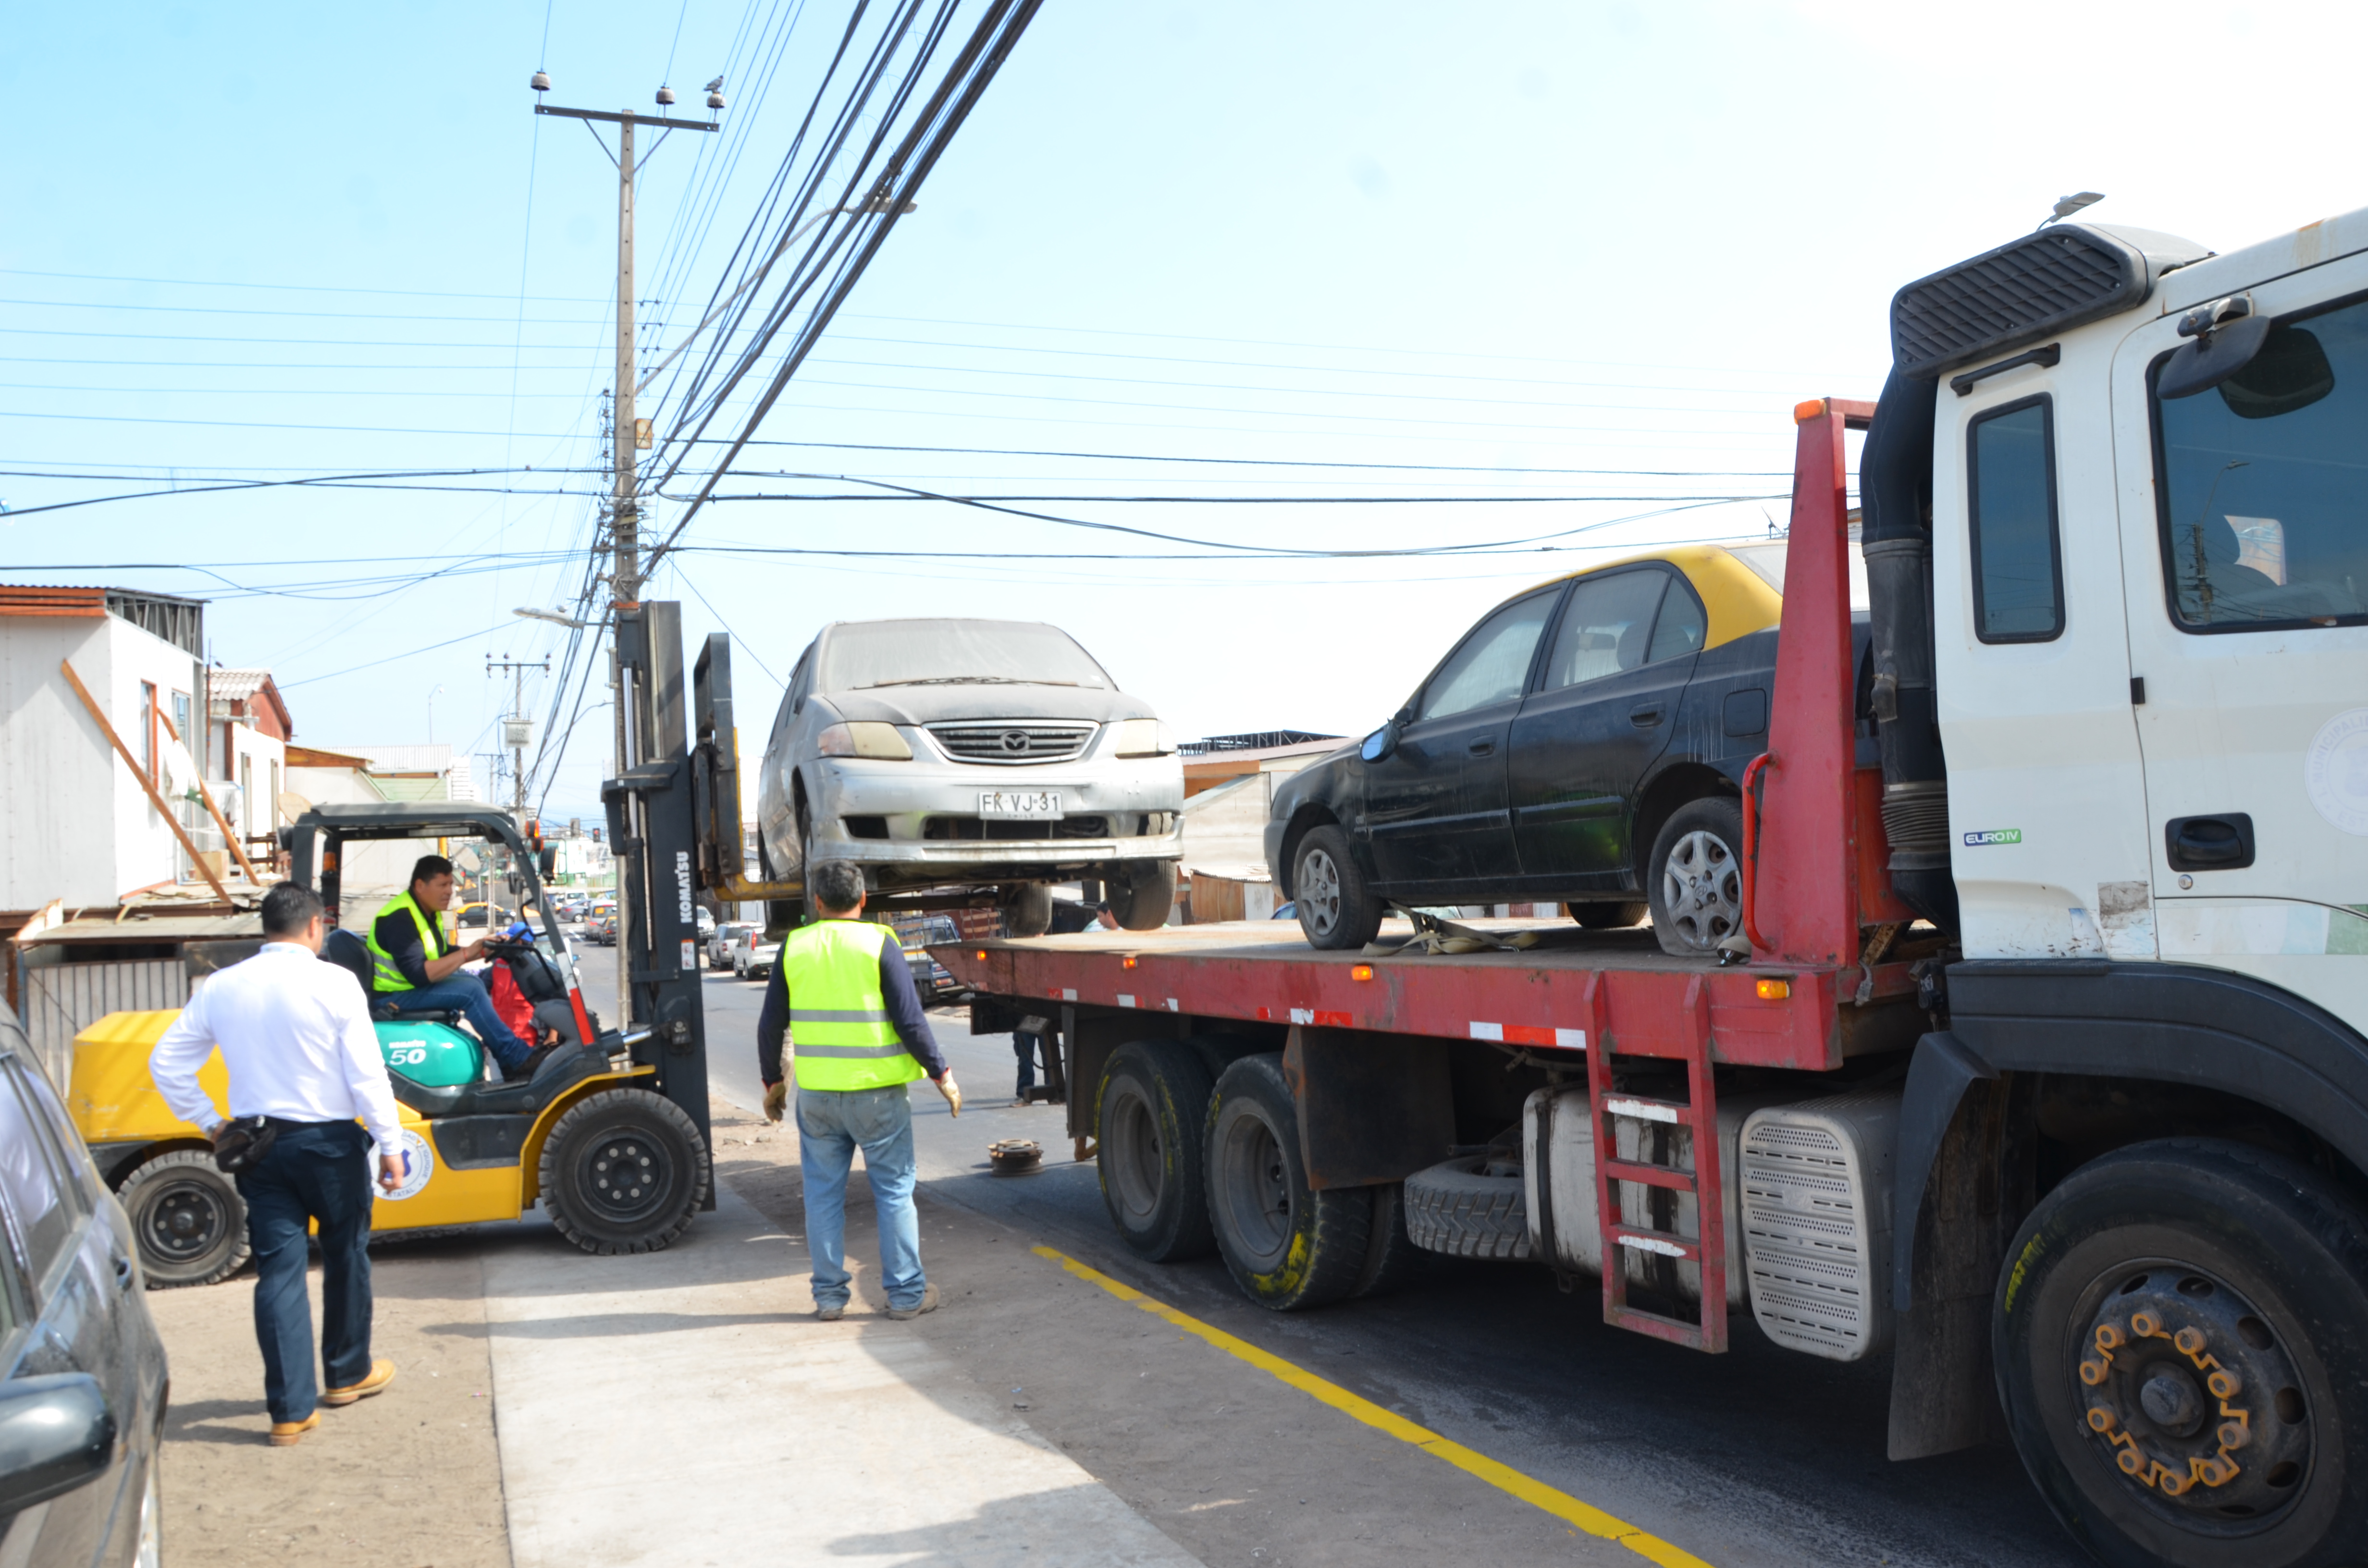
[{"x": 416, "y": 971}]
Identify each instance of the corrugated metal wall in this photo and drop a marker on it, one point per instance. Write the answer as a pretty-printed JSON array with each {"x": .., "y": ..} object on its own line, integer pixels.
[{"x": 62, "y": 1000}]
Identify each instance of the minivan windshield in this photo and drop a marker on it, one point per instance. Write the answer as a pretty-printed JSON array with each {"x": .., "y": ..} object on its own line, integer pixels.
[{"x": 860, "y": 655}]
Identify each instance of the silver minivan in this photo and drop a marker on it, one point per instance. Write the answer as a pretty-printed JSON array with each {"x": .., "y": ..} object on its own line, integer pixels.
[{"x": 980, "y": 754}]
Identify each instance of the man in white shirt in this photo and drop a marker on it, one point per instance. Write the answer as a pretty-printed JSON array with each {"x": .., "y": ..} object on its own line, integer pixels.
[{"x": 295, "y": 1034}]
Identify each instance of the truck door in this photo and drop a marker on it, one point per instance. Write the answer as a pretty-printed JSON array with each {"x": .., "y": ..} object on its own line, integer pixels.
[
  {"x": 1436, "y": 805},
  {"x": 1605, "y": 704},
  {"x": 2245, "y": 533}
]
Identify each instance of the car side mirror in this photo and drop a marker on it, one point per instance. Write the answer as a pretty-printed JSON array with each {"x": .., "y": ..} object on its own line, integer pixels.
[
  {"x": 55, "y": 1434},
  {"x": 1383, "y": 740}
]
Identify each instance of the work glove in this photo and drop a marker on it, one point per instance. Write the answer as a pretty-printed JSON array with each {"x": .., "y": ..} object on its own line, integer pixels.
[
  {"x": 951, "y": 1090},
  {"x": 776, "y": 1100}
]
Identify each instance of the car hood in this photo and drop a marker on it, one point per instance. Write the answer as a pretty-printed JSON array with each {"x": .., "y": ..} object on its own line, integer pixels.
[{"x": 936, "y": 704}]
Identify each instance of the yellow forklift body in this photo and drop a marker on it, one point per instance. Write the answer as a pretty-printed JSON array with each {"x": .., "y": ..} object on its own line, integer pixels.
[{"x": 114, "y": 1101}]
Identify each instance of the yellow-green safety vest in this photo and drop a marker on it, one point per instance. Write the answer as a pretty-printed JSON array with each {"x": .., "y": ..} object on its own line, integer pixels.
[
  {"x": 431, "y": 943},
  {"x": 839, "y": 1030}
]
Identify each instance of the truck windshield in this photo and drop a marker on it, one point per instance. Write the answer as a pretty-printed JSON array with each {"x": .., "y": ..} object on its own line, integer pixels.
[
  {"x": 2262, "y": 493},
  {"x": 863, "y": 654}
]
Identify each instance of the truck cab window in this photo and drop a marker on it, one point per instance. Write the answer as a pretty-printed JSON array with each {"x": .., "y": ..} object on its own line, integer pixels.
[
  {"x": 2018, "y": 560},
  {"x": 2263, "y": 504}
]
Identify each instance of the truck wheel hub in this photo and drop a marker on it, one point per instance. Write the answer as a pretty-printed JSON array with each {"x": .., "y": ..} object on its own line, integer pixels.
[
  {"x": 2191, "y": 1397},
  {"x": 186, "y": 1221}
]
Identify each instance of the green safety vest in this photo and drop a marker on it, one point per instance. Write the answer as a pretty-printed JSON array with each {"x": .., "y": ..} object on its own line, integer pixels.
[
  {"x": 431, "y": 942},
  {"x": 838, "y": 1020}
]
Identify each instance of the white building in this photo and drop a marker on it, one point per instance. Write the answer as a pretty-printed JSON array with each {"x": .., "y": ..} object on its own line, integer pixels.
[
  {"x": 248, "y": 748},
  {"x": 77, "y": 825}
]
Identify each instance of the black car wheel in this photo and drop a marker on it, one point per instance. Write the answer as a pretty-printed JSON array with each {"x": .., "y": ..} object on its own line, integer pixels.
[
  {"x": 188, "y": 1219},
  {"x": 1334, "y": 908},
  {"x": 1027, "y": 909},
  {"x": 2181, "y": 1351},
  {"x": 624, "y": 1171},
  {"x": 1694, "y": 879},
  {"x": 1145, "y": 902},
  {"x": 1607, "y": 917}
]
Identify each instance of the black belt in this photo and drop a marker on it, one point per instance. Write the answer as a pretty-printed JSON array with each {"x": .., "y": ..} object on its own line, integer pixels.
[{"x": 281, "y": 1124}]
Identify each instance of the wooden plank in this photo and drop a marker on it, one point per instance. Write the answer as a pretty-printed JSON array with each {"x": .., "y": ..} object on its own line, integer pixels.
[{"x": 98, "y": 715}]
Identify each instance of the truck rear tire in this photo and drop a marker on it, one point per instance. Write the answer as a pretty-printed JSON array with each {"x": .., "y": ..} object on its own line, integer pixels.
[
  {"x": 1145, "y": 902},
  {"x": 1458, "y": 1209},
  {"x": 1027, "y": 909},
  {"x": 2169, "y": 1297},
  {"x": 1154, "y": 1101},
  {"x": 188, "y": 1219},
  {"x": 1694, "y": 878},
  {"x": 623, "y": 1170},
  {"x": 1286, "y": 1245},
  {"x": 1391, "y": 1260},
  {"x": 1336, "y": 910}
]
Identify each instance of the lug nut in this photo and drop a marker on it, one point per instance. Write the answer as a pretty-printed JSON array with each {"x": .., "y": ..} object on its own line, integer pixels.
[
  {"x": 2225, "y": 1383},
  {"x": 2191, "y": 1341},
  {"x": 2100, "y": 1417},
  {"x": 2144, "y": 1325},
  {"x": 2234, "y": 1435}
]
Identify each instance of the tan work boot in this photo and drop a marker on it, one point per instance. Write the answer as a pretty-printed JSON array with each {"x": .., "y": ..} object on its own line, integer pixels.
[
  {"x": 380, "y": 1374},
  {"x": 288, "y": 1434},
  {"x": 928, "y": 1303}
]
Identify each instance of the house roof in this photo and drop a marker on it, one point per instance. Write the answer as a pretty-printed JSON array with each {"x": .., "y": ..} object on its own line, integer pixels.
[
  {"x": 313, "y": 757},
  {"x": 245, "y": 685}
]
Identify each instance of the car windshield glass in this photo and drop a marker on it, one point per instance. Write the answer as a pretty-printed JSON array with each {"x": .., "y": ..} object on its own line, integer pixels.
[
  {"x": 1493, "y": 663},
  {"x": 864, "y": 655},
  {"x": 2264, "y": 498}
]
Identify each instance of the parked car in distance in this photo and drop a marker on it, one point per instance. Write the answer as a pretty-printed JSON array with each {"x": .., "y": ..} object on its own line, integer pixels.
[
  {"x": 82, "y": 1370},
  {"x": 601, "y": 928},
  {"x": 753, "y": 955},
  {"x": 719, "y": 946},
  {"x": 1582, "y": 745},
  {"x": 932, "y": 980},
  {"x": 978, "y": 753}
]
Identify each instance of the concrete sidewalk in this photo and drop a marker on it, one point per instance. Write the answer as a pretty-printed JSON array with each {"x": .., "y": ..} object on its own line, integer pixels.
[{"x": 687, "y": 1409}]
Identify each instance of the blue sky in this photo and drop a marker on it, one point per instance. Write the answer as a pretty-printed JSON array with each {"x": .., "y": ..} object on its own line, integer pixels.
[{"x": 1507, "y": 248}]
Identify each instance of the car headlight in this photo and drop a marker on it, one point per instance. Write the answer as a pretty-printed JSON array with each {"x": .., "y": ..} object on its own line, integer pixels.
[
  {"x": 863, "y": 737},
  {"x": 1143, "y": 737}
]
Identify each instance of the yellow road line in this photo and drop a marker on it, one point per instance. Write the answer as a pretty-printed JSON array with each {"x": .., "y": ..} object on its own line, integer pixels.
[{"x": 1537, "y": 1493}]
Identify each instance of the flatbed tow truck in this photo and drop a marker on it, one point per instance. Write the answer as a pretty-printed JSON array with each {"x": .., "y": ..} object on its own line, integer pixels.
[{"x": 2043, "y": 1070}]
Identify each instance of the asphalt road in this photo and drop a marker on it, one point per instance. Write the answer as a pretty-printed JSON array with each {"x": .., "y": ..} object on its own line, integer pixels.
[{"x": 1759, "y": 1456}]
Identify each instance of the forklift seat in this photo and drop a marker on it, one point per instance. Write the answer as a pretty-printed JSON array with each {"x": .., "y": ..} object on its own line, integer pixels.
[{"x": 351, "y": 954}]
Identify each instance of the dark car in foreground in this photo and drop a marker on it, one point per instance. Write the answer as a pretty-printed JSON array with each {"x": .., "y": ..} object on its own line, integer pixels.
[
  {"x": 82, "y": 1372},
  {"x": 1584, "y": 744}
]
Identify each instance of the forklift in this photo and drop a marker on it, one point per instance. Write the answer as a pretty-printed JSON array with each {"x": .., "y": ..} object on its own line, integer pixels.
[{"x": 608, "y": 1132}]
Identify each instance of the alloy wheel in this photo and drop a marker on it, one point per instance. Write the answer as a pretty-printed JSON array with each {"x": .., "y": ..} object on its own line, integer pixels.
[
  {"x": 1702, "y": 888},
  {"x": 1320, "y": 890}
]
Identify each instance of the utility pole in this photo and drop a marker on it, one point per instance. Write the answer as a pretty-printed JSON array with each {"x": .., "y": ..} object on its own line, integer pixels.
[
  {"x": 630, "y": 435},
  {"x": 517, "y": 730}
]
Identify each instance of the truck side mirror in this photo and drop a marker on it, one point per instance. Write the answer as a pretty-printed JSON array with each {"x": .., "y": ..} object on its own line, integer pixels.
[{"x": 56, "y": 1434}]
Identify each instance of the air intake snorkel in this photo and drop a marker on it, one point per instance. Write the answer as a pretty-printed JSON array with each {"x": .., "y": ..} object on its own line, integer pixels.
[{"x": 1896, "y": 492}]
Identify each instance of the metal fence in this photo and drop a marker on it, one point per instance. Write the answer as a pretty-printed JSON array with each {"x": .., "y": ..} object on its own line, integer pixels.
[{"x": 62, "y": 1000}]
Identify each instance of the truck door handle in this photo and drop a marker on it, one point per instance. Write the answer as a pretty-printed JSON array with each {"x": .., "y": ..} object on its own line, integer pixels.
[
  {"x": 1645, "y": 715},
  {"x": 2221, "y": 843},
  {"x": 1485, "y": 747}
]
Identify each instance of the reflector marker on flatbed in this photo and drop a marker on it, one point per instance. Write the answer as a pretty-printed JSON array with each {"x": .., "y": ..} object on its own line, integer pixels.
[
  {"x": 1124, "y": 1000},
  {"x": 1488, "y": 1031}
]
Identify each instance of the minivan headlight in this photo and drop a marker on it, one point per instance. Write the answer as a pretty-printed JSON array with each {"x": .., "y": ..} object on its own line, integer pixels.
[
  {"x": 863, "y": 737},
  {"x": 1143, "y": 737}
]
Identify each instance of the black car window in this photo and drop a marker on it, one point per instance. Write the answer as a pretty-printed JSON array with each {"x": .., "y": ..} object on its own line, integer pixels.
[
  {"x": 2261, "y": 487},
  {"x": 41, "y": 1210},
  {"x": 1606, "y": 627},
  {"x": 1494, "y": 662},
  {"x": 1682, "y": 626}
]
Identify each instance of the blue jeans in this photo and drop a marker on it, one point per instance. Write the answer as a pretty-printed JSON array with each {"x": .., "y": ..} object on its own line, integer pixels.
[
  {"x": 464, "y": 994},
  {"x": 831, "y": 1123},
  {"x": 1024, "y": 1045},
  {"x": 314, "y": 1171}
]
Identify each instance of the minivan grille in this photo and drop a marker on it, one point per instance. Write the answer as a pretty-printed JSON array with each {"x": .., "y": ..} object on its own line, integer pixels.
[{"x": 1012, "y": 740}]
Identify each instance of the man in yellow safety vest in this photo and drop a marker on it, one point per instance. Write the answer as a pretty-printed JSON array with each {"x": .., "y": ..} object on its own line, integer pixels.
[
  {"x": 843, "y": 994},
  {"x": 416, "y": 969}
]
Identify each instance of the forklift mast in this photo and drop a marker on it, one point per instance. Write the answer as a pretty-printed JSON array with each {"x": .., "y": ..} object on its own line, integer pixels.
[{"x": 654, "y": 826}]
